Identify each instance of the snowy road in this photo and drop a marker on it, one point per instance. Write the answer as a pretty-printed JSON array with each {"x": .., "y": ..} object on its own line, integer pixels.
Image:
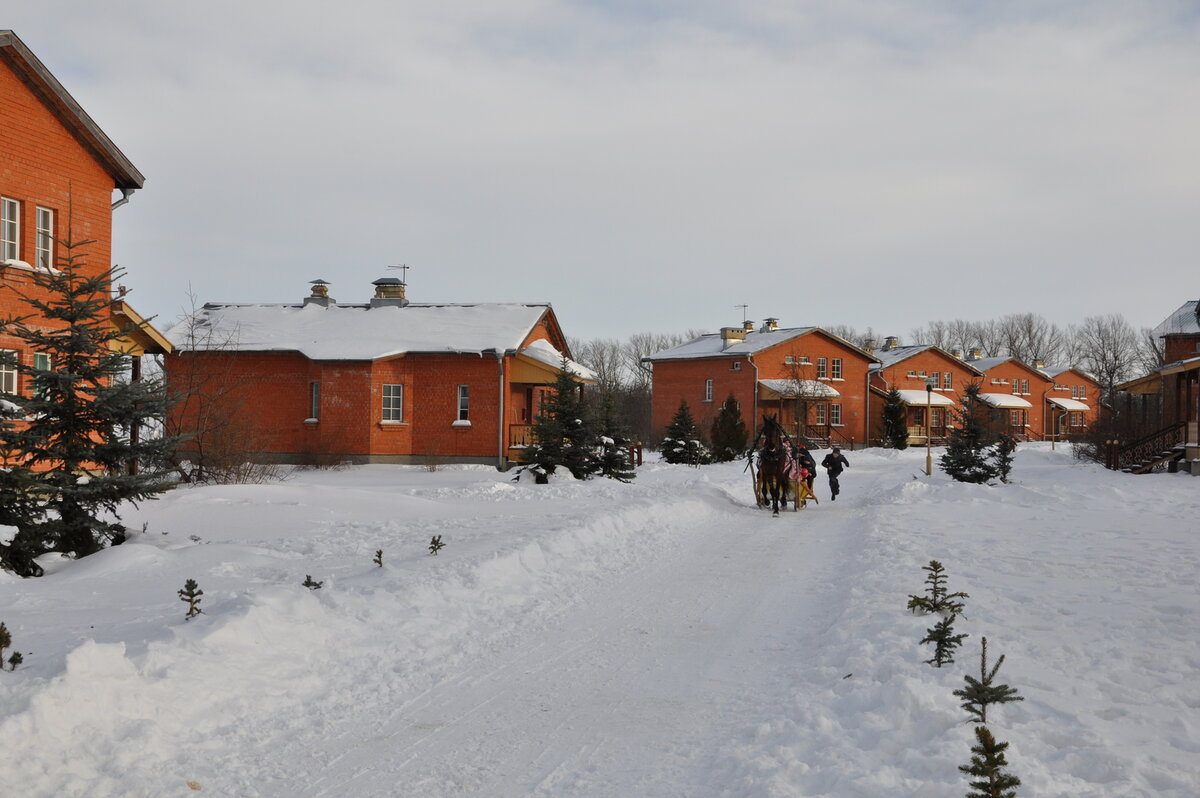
[{"x": 632, "y": 692}]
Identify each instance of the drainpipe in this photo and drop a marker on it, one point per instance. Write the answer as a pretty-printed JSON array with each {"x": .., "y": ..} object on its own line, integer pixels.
[
  {"x": 126, "y": 193},
  {"x": 752, "y": 363},
  {"x": 1045, "y": 401},
  {"x": 501, "y": 448}
]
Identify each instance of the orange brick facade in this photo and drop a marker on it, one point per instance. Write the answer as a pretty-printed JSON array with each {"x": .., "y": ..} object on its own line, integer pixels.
[{"x": 951, "y": 374}]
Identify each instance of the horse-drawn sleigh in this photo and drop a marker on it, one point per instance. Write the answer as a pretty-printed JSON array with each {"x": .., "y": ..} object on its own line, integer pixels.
[{"x": 782, "y": 474}]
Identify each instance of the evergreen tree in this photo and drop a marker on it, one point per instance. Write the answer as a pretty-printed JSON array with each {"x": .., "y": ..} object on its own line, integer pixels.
[
  {"x": 944, "y": 640},
  {"x": 562, "y": 434},
  {"x": 968, "y": 453},
  {"x": 191, "y": 594},
  {"x": 938, "y": 598},
  {"x": 72, "y": 446},
  {"x": 729, "y": 434},
  {"x": 981, "y": 692},
  {"x": 614, "y": 462},
  {"x": 436, "y": 544},
  {"x": 1003, "y": 455},
  {"x": 895, "y": 421},
  {"x": 987, "y": 766},
  {"x": 683, "y": 444}
]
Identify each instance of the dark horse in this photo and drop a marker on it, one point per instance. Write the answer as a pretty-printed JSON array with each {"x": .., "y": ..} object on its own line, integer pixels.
[{"x": 772, "y": 464}]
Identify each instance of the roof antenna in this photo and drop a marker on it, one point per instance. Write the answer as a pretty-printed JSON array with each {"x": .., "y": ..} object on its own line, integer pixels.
[
  {"x": 404, "y": 267},
  {"x": 743, "y": 307}
]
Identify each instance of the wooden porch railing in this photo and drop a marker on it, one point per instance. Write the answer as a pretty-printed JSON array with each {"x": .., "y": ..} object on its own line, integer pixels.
[
  {"x": 1148, "y": 448},
  {"x": 520, "y": 435}
]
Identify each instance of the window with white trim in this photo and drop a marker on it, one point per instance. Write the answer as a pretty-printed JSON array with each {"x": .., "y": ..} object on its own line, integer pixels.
[
  {"x": 935, "y": 416},
  {"x": 41, "y": 362},
  {"x": 1014, "y": 418},
  {"x": 708, "y": 390},
  {"x": 44, "y": 244},
  {"x": 789, "y": 360},
  {"x": 947, "y": 381},
  {"x": 393, "y": 402},
  {"x": 820, "y": 412},
  {"x": 822, "y": 368},
  {"x": 1016, "y": 386},
  {"x": 1025, "y": 387},
  {"x": 8, "y": 370},
  {"x": 804, "y": 361},
  {"x": 835, "y": 415},
  {"x": 10, "y": 229},
  {"x": 837, "y": 368},
  {"x": 736, "y": 366},
  {"x": 1076, "y": 419},
  {"x": 464, "y": 402},
  {"x": 314, "y": 400}
]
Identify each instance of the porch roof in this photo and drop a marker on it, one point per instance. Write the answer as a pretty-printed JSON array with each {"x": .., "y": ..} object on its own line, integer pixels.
[
  {"x": 1067, "y": 404},
  {"x": 1006, "y": 401},
  {"x": 918, "y": 398},
  {"x": 790, "y": 389}
]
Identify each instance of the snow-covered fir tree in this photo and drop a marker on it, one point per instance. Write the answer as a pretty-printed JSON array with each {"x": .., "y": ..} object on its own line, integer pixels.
[
  {"x": 729, "y": 434},
  {"x": 895, "y": 424},
  {"x": 683, "y": 443},
  {"x": 968, "y": 456},
  {"x": 615, "y": 462},
  {"x": 563, "y": 434},
  {"x": 987, "y": 767},
  {"x": 67, "y": 439}
]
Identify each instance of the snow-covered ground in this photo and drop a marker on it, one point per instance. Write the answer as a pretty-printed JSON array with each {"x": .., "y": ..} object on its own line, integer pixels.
[{"x": 662, "y": 638}]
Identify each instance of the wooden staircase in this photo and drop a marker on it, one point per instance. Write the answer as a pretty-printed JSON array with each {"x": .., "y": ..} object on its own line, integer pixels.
[{"x": 1151, "y": 451}]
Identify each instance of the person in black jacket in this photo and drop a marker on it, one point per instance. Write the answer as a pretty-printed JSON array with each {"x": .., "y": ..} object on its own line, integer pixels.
[
  {"x": 834, "y": 463},
  {"x": 805, "y": 459}
]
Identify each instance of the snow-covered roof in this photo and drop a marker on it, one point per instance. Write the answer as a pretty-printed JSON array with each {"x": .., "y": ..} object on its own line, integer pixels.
[
  {"x": 1053, "y": 371},
  {"x": 912, "y": 397},
  {"x": 809, "y": 388},
  {"x": 985, "y": 363},
  {"x": 889, "y": 356},
  {"x": 543, "y": 351},
  {"x": 712, "y": 345},
  {"x": 358, "y": 332},
  {"x": 1067, "y": 404},
  {"x": 1005, "y": 400},
  {"x": 1185, "y": 321}
]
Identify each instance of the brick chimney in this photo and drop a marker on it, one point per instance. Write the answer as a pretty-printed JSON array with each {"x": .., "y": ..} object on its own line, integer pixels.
[
  {"x": 1039, "y": 364},
  {"x": 869, "y": 345},
  {"x": 748, "y": 326},
  {"x": 890, "y": 342},
  {"x": 389, "y": 292},
  {"x": 956, "y": 353},
  {"x": 320, "y": 294},
  {"x": 732, "y": 335},
  {"x": 770, "y": 324},
  {"x": 974, "y": 354}
]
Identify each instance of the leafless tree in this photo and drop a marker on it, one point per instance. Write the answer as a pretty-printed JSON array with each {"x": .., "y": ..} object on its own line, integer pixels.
[
  {"x": 1028, "y": 337},
  {"x": 604, "y": 356},
  {"x": 1110, "y": 349},
  {"x": 1151, "y": 354},
  {"x": 990, "y": 338},
  {"x": 848, "y": 333}
]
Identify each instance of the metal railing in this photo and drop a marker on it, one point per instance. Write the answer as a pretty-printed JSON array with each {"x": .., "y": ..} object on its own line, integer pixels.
[{"x": 1147, "y": 448}]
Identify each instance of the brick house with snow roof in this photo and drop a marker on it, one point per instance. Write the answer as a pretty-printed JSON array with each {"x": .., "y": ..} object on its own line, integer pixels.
[
  {"x": 58, "y": 175},
  {"x": 387, "y": 381},
  {"x": 1018, "y": 392},
  {"x": 1072, "y": 402},
  {"x": 909, "y": 370},
  {"x": 813, "y": 380}
]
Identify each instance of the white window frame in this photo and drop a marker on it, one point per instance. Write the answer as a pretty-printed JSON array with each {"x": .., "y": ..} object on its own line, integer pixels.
[
  {"x": 820, "y": 419},
  {"x": 41, "y": 362},
  {"x": 947, "y": 381},
  {"x": 1025, "y": 387},
  {"x": 736, "y": 366},
  {"x": 1014, "y": 418},
  {"x": 835, "y": 414},
  {"x": 10, "y": 229},
  {"x": 314, "y": 401},
  {"x": 708, "y": 390},
  {"x": 8, "y": 370},
  {"x": 464, "y": 403},
  {"x": 804, "y": 361},
  {"x": 44, "y": 243},
  {"x": 822, "y": 368},
  {"x": 789, "y": 360},
  {"x": 392, "y": 403},
  {"x": 835, "y": 370}
]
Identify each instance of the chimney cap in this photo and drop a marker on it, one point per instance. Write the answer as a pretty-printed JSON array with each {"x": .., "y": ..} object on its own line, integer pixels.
[
  {"x": 388, "y": 281},
  {"x": 318, "y": 281}
]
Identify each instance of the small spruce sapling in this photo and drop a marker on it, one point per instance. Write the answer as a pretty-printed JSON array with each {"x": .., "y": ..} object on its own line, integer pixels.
[
  {"x": 15, "y": 660},
  {"x": 378, "y": 557},
  {"x": 944, "y": 640},
  {"x": 310, "y": 583},
  {"x": 987, "y": 766},
  {"x": 191, "y": 593},
  {"x": 5, "y": 640},
  {"x": 981, "y": 692},
  {"x": 436, "y": 544},
  {"x": 938, "y": 599}
]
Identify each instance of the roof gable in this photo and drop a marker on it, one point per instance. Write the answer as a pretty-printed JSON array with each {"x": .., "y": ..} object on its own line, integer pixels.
[
  {"x": 1184, "y": 321},
  {"x": 34, "y": 74},
  {"x": 755, "y": 342},
  {"x": 988, "y": 363},
  {"x": 892, "y": 357}
]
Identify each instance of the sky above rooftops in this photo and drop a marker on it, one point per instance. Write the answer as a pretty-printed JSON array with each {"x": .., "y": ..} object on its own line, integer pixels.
[{"x": 651, "y": 166}]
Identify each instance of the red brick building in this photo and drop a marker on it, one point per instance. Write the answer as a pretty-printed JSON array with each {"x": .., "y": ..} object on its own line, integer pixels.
[
  {"x": 910, "y": 370},
  {"x": 58, "y": 174},
  {"x": 1019, "y": 393},
  {"x": 386, "y": 381},
  {"x": 1072, "y": 401},
  {"x": 815, "y": 381}
]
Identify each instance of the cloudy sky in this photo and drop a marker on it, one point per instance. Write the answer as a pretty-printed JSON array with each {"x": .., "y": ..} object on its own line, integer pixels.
[{"x": 650, "y": 166}]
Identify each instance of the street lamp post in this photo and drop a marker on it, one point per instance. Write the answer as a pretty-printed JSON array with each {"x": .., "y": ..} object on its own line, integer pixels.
[{"x": 928, "y": 427}]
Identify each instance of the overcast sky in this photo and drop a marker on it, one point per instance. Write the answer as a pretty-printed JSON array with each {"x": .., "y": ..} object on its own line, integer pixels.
[{"x": 649, "y": 166}]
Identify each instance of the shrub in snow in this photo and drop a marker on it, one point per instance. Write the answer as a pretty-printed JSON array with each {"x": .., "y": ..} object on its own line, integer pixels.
[
  {"x": 969, "y": 453},
  {"x": 310, "y": 583},
  {"x": 15, "y": 660},
  {"x": 937, "y": 600},
  {"x": 944, "y": 640},
  {"x": 895, "y": 421},
  {"x": 378, "y": 557},
  {"x": 436, "y": 544},
  {"x": 987, "y": 768},
  {"x": 981, "y": 692},
  {"x": 191, "y": 593},
  {"x": 683, "y": 443},
  {"x": 614, "y": 443},
  {"x": 729, "y": 434},
  {"x": 76, "y": 419}
]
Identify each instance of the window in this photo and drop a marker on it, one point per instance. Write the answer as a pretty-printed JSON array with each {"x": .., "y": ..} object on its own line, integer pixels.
[
  {"x": 8, "y": 371},
  {"x": 822, "y": 368},
  {"x": 789, "y": 360},
  {"x": 1076, "y": 419},
  {"x": 912, "y": 374},
  {"x": 936, "y": 379},
  {"x": 804, "y": 361},
  {"x": 1014, "y": 418},
  {"x": 464, "y": 402},
  {"x": 835, "y": 415},
  {"x": 708, "y": 390},
  {"x": 1024, "y": 418},
  {"x": 10, "y": 229},
  {"x": 393, "y": 402},
  {"x": 1025, "y": 387},
  {"x": 935, "y": 416},
  {"x": 41, "y": 362},
  {"x": 947, "y": 381},
  {"x": 1074, "y": 392},
  {"x": 821, "y": 412},
  {"x": 44, "y": 255},
  {"x": 1016, "y": 386},
  {"x": 314, "y": 400},
  {"x": 736, "y": 366},
  {"x": 837, "y": 369}
]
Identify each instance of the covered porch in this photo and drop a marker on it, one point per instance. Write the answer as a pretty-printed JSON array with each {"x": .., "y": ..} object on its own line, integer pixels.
[
  {"x": 927, "y": 416},
  {"x": 1012, "y": 415},
  {"x": 1065, "y": 417},
  {"x": 808, "y": 409},
  {"x": 532, "y": 373}
]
